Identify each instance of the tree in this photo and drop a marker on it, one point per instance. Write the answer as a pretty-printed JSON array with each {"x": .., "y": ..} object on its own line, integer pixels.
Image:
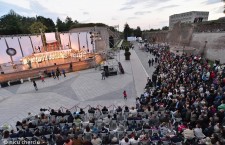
[
  {"x": 10, "y": 23},
  {"x": 127, "y": 31},
  {"x": 165, "y": 28},
  {"x": 137, "y": 32},
  {"x": 61, "y": 25},
  {"x": 36, "y": 27},
  {"x": 68, "y": 22},
  {"x": 47, "y": 22}
]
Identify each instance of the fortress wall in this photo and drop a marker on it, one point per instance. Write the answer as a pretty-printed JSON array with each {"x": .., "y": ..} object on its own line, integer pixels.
[{"x": 215, "y": 46}]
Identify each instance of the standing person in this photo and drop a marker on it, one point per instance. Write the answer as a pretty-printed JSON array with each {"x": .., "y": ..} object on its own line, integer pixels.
[
  {"x": 125, "y": 95},
  {"x": 42, "y": 78},
  {"x": 103, "y": 75},
  {"x": 57, "y": 70},
  {"x": 152, "y": 61},
  {"x": 53, "y": 74},
  {"x": 149, "y": 62},
  {"x": 156, "y": 59},
  {"x": 64, "y": 73},
  {"x": 57, "y": 74},
  {"x": 35, "y": 85}
]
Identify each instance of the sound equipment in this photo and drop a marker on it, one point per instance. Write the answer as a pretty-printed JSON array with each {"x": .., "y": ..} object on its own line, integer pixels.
[
  {"x": 2, "y": 72},
  {"x": 106, "y": 69}
]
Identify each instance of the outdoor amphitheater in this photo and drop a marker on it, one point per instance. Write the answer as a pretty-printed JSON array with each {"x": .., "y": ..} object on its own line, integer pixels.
[{"x": 72, "y": 83}]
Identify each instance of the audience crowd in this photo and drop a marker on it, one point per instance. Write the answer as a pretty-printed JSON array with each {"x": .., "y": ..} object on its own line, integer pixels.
[{"x": 183, "y": 103}]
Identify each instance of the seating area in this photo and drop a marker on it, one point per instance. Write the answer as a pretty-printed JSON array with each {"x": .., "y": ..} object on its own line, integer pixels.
[{"x": 183, "y": 103}]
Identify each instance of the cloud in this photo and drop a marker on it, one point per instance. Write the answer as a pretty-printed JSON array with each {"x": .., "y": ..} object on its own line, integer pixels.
[
  {"x": 114, "y": 18},
  {"x": 210, "y": 2},
  {"x": 154, "y": 3},
  {"x": 126, "y": 8},
  {"x": 86, "y": 13},
  {"x": 85, "y": 21},
  {"x": 20, "y": 10},
  {"x": 167, "y": 7},
  {"x": 142, "y": 12},
  {"x": 131, "y": 18}
]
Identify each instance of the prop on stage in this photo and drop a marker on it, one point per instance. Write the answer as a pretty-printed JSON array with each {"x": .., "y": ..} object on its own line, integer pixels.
[{"x": 60, "y": 54}]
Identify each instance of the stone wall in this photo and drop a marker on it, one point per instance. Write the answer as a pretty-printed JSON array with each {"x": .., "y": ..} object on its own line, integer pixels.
[
  {"x": 185, "y": 35},
  {"x": 215, "y": 46}
]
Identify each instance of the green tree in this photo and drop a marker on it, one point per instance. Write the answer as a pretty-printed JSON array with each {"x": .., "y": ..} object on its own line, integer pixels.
[
  {"x": 61, "y": 25},
  {"x": 36, "y": 27},
  {"x": 165, "y": 28},
  {"x": 47, "y": 22},
  {"x": 68, "y": 22},
  {"x": 10, "y": 23},
  {"x": 127, "y": 31},
  {"x": 137, "y": 32}
]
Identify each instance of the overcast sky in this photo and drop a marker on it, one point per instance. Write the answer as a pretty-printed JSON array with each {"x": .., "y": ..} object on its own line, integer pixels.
[{"x": 144, "y": 13}]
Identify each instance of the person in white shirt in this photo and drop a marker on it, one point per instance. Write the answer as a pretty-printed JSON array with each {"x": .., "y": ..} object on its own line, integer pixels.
[
  {"x": 134, "y": 140},
  {"x": 125, "y": 141},
  {"x": 96, "y": 140},
  {"x": 133, "y": 111}
]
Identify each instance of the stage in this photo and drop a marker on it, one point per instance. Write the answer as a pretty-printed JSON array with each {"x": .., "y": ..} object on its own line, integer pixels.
[{"x": 22, "y": 71}]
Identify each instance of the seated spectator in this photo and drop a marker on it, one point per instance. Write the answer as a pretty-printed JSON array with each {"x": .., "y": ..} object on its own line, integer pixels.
[
  {"x": 120, "y": 127},
  {"x": 87, "y": 129},
  {"x": 126, "y": 109},
  {"x": 68, "y": 141},
  {"x": 133, "y": 111},
  {"x": 77, "y": 141},
  {"x": 104, "y": 130},
  {"x": 77, "y": 119},
  {"x": 91, "y": 110},
  {"x": 188, "y": 133},
  {"x": 107, "y": 120},
  {"x": 81, "y": 111},
  {"x": 119, "y": 109},
  {"x": 114, "y": 140},
  {"x": 125, "y": 141},
  {"x": 134, "y": 140},
  {"x": 13, "y": 134},
  {"x": 95, "y": 130},
  {"x": 104, "y": 110},
  {"x": 198, "y": 132},
  {"x": 96, "y": 140}
]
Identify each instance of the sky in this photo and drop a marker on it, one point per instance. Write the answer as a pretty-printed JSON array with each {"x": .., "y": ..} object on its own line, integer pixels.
[{"x": 144, "y": 13}]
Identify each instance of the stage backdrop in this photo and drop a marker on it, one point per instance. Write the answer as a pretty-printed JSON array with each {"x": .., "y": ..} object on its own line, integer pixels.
[
  {"x": 36, "y": 40},
  {"x": 13, "y": 43},
  {"x": 74, "y": 41},
  {"x": 50, "y": 37},
  {"x": 4, "y": 58},
  {"x": 64, "y": 37},
  {"x": 90, "y": 46},
  {"x": 26, "y": 45}
]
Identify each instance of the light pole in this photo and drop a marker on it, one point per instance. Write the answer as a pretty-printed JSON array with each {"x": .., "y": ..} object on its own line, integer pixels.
[
  {"x": 42, "y": 39},
  {"x": 57, "y": 36}
]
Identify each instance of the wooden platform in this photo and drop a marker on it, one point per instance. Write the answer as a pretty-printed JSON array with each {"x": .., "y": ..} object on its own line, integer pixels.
[{"x": 36, "y": 70}]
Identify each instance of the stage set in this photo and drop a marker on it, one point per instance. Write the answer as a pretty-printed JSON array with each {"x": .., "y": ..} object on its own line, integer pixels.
[{"x": 24, "y": 56}]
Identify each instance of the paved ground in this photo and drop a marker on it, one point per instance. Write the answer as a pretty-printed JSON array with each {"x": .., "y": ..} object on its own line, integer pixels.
[{"x": 81, "y": 89}]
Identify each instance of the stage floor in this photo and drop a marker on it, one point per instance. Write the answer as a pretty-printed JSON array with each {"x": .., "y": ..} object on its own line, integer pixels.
[{"x": 23, "y": 67}]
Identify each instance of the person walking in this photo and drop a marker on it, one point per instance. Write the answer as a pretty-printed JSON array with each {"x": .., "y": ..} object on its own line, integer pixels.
[
  {"x": 156, "y": 59},
  {"x": 149, "y": 62},
  {"x": 53, "y": 74},
  {"x": 125, "y": 95},
  {"x": 57, "y": 70},
  {"x": 64, "y": 73},
  {"x": 103, "y": 75},
  {"x": 42, "y": 78},
  {"x": 57, "y": 74},
  {"x": 152, "y": 61},
  {"x": 35, "y": 85}
]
